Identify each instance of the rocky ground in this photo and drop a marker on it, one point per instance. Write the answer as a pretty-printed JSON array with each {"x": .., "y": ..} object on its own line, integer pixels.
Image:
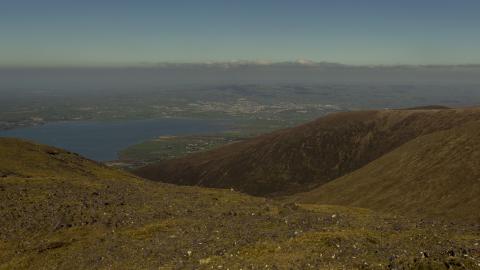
[{"x": 71, "y": 213}]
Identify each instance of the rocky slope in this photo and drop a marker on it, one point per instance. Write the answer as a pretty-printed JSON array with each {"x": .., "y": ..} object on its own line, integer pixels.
[
  {"x": 304, "y": 157},
  {"x": 61, "y": 211}
]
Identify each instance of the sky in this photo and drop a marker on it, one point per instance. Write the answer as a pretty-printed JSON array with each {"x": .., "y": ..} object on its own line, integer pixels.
[{"x": 138, "y": 32}]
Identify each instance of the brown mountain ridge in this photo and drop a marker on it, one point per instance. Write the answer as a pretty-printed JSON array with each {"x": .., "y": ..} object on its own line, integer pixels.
[
  {"x": 305, "y": 157},
  {"x": 436, "y": 175}
]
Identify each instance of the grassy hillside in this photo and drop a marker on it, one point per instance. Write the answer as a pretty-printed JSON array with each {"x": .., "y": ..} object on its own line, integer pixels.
[
  {"x": 60, "y": 211},
  {"x": 435, "y": 175},
  {"x": 304, "y": 157}
]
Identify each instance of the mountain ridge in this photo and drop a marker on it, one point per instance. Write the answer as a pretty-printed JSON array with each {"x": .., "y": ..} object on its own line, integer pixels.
[
  {"x": 304, "y": 157},
  {"x": 435, "y": 175}
]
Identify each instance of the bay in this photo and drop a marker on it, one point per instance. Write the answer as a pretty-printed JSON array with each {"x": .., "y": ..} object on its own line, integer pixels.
[{"x": 102, "y": 140}]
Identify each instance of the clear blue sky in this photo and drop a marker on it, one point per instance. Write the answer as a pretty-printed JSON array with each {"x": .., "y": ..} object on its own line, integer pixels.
[{"x": 118, "y": 32}]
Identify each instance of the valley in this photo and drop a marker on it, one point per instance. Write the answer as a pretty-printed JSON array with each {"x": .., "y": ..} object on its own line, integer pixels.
[
  {"x": 414, "y": 206},
  {"x": 303, "y": 157}
]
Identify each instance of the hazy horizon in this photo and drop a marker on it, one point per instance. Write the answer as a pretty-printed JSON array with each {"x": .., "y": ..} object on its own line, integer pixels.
[
  {"x": 233, "y": 73},
  {"x": 233, "y": 64}
]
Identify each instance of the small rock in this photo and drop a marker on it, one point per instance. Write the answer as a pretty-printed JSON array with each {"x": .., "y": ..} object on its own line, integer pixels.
[{"x": 205, "y": 261}]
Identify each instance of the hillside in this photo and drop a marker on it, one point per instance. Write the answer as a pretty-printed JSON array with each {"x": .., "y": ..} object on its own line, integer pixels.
[
  {"x": 435, "y": 175},
  {"x": 61, "y": 211},
  {"x": 304, "y": 157}
]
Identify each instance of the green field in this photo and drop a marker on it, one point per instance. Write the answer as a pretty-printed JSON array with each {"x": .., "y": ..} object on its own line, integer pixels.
[{"x": 169, "y": 147}]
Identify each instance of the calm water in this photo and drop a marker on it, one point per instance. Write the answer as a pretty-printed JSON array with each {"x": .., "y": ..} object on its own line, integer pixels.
[{"x": 101, "y": 141}]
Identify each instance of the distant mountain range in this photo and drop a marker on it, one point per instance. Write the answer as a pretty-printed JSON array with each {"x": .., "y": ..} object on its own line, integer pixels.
[{"x": 296, "y": 63}]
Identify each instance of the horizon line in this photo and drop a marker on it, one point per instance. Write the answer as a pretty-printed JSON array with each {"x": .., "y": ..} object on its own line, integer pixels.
[{"x": 232, "y": 63}]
